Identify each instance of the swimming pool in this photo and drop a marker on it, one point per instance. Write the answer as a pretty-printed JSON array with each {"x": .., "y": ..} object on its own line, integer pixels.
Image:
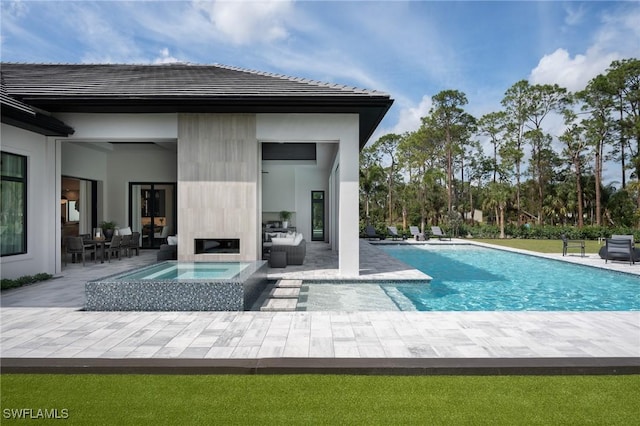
[{"x": 472, "y": 278}]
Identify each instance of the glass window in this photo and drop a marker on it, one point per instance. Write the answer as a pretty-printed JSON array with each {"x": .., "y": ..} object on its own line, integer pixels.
[{"x": 13, "y": 206}]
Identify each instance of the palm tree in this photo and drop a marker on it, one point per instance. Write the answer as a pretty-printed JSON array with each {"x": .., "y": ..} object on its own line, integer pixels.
[{"x": 497, "y": 199}]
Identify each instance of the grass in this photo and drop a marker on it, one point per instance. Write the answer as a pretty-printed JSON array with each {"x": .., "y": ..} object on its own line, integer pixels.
[
  {"x": 542, "y": 246},
  {"x": 327, "y": 399}
]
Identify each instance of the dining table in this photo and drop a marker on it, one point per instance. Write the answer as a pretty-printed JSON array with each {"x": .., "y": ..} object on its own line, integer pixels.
[{"x": 101, "y": 243}]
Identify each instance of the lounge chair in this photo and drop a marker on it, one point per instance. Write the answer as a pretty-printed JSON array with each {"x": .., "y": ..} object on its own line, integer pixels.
[
  {"x": 437, "y": 232},
  {"x": 370, "y": 232},
  {"x": 415, "y": 231},
  {"x": 393, "y": 232},
  {"x": 567, "y": 244},
  {"x": 620, "y": 249}
]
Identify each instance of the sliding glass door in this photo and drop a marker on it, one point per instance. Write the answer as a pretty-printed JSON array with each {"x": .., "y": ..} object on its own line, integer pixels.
[{"x": 153, "y": 212}]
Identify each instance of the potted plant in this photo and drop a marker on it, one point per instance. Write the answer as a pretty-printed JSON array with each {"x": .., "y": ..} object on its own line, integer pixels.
[
  {"x": 108, "y": 228},
  {"x": 285, "y": 216}
]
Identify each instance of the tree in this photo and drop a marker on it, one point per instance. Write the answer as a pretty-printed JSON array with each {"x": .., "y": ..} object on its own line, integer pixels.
[
  {"x": 598, "y": 126},
  {"x": 574, "y": 150},
  {"x": 454, "y": 126},
  {"x": 515, "y": 103},
  {"x": 371, "y": 178},
  {"x": 540, "y": 102},
  {"x": 497, "y": 198},
  {"x": 493, "y": 125},
  {"x": 387, "y": 145},
  {"x": 624, "y": 79}
]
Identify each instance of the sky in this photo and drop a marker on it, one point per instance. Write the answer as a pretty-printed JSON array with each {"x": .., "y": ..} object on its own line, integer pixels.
[{"x": 409, "y": 49}]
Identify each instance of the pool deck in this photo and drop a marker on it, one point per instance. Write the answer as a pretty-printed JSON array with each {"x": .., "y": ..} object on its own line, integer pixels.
[{"x": 43, "y": 329}]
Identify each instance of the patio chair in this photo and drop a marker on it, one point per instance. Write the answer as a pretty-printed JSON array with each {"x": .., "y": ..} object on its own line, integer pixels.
[
  {"x": 115, "y": 248},
  {"x": 437, "y": 232},
  {"x": 370, "y": 232},
  {"x": 393, "y": 232},
  {"x": 417, "y": 235},
  {"x": 75, "y": 246},
  {"x": 125, "y": 242},
  {"x": 567, "y": 244},
  {"x": 134, "y": 243},
  {"x": 620, "y": 249}
]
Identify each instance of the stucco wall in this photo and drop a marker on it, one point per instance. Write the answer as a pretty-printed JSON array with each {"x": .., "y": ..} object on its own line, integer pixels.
[{"x": 41, "y": 216}]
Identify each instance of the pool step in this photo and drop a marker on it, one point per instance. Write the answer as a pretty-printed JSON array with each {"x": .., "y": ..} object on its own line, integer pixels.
[
  {"x": 285, "y": 293},
  {"x": 279, "y": 305},
  {"x": 289, "y": 283},
  {"x": 283, "y": 296}
]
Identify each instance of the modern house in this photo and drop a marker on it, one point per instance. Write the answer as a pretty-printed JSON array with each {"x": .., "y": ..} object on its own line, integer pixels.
[{"x": 210, "y": 153}]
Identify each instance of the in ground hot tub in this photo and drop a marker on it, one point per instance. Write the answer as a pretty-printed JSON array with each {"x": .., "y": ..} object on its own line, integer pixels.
[{"x": 180, "y": 286}]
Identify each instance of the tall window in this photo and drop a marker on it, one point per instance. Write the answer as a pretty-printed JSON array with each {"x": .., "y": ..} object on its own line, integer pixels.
[{"x": 13, "y": 206}]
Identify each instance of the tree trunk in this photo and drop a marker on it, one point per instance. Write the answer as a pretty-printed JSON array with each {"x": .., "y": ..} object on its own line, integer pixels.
[
  {"x": 518, "y": 192},
  {"x": 502, "y": 222},
  {"x": 624, "y": 178},
  {"x": 404, "y": 217},
  {"x": 579, "y": 192},
  {"x": 598, "y": 175},
  {"x": 449, "y": 176}
]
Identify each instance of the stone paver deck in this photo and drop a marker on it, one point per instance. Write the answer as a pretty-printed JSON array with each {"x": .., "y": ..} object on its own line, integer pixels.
[{"x": 43, "y": 328}]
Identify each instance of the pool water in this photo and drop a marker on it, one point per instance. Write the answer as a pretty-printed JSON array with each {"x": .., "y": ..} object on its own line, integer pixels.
[
  {"x": 187, "y": 271},
  {"x": 471, "y": 278}
]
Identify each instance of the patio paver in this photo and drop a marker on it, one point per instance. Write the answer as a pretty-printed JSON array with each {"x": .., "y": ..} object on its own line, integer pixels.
[{"x": 40, "y": 328}]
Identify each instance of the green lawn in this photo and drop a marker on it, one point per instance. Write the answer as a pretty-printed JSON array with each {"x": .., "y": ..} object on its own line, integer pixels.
[
  {"x": 327, "y": 399},
  {"x": 542, "y": 246}
]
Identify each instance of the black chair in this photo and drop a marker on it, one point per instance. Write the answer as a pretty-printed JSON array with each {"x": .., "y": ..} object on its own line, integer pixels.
[
  {"x": 619, "y": 249},
  {"x": 134, "y": 244},
  {"x": 567, "y": 244},
  {"x": 115, "y": 248},
  {"x": 125, "y": 243},
  {"x": 370, "y": 232},
  {"x": 76, "y": 246}
]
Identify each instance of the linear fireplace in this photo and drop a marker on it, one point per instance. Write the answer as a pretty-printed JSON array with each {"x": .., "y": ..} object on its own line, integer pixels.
[{"x": 217, "y": 246}]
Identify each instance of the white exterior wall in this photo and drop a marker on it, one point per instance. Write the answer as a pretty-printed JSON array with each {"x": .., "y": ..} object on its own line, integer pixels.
[
  {"x": 42, "y": 204},
  {"x": 341, "y": 128}
]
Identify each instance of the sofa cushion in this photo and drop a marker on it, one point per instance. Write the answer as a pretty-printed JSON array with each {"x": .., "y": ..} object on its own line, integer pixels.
[
  {"x": 173, "y": 240},
  {"x": 290, "y": 240},
  {"x": 282, "y": 241}
]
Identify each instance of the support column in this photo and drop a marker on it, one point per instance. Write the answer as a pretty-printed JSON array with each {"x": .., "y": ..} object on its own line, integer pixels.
[{"x": 348, "y": 205}]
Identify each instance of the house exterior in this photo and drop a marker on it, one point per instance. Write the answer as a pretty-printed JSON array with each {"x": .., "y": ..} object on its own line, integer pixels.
[{"x": 177, "y": 148}]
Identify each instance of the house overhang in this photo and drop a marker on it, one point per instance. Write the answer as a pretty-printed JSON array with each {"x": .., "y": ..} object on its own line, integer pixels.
[
  {"x": 370, "y": 112},
  {"x": 18, "y": 114}
]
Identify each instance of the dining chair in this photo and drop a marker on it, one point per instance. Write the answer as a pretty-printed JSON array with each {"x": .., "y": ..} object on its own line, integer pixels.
[
  {"x": 75, "y": 246},
  {"x": 114, "y": 248}
]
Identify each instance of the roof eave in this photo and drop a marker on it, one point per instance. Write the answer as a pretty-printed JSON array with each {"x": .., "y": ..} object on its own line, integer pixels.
[
  {"x": 371, "y": 109},
  {"x": 37, "y": 123}
]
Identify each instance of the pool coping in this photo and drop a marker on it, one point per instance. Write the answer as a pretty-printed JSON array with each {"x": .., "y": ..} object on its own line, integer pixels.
[{"x": 350, "y": 366}]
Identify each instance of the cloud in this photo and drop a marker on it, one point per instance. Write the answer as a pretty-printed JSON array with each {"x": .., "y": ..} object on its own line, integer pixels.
[
  {"x": 409, "y": 117},
  {"x": 165, "y": 57},
  {"x": 575, "y": 15},
  {"x": 572, "y": 73},
  {"x": 245, "y": 22},
  {"x": 616, "y": 38}
]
